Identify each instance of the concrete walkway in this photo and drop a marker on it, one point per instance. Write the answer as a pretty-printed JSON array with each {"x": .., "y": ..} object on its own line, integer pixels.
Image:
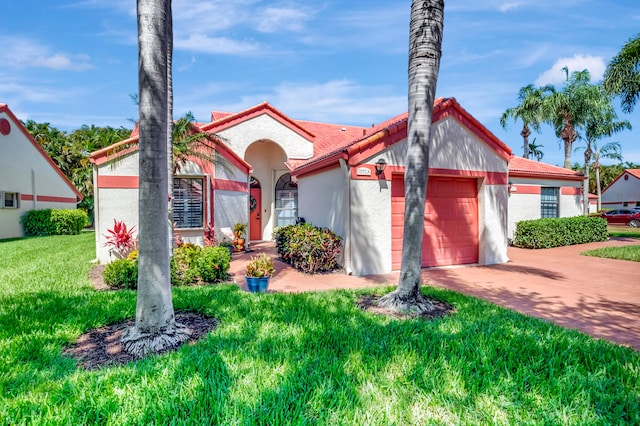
[{"x": 600, "y": 297}]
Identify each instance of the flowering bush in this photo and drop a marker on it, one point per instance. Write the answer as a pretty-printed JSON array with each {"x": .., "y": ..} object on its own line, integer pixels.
[
  {"x": 308, "y": 248},
  {"x": 120, "y": 239}
]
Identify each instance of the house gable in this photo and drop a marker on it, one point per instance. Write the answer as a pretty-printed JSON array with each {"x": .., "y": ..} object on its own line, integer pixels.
[{"x": 624, "y": 189}]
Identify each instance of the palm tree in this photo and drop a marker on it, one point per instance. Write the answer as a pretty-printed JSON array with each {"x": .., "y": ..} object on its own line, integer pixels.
[
  {"x": 622, "y": 76},
  {"x": 535, "y": 151},
  {"x": 569, "y": 109},
  {"x": 425, "y": 42},
  {"x": 528, "y": 110},
  {"x": 599, "y": 123},
  {"x": 155, "y": 328}
]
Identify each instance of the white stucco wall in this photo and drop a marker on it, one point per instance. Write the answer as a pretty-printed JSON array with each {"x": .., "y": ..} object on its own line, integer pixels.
[
  {"x": 23, "y": 169},
  {"x": 492, "y": 223},
  {"x": 453, "y": 147},
  {"x": 523, "y": 206},
  {"x": 622, "y": 191},
  {"x": 322, "y": 200},
  {"x": 239, "y": 137},
  {"x": 370, "y": 227},
  {"x": 230, "y": 208}
]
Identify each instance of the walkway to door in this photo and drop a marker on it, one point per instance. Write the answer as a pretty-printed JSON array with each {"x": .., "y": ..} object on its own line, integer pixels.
[{"x": 600, "y": 297}]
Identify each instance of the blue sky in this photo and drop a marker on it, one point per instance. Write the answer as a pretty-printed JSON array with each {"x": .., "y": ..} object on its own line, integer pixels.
[{"x": 74, "y": 62}]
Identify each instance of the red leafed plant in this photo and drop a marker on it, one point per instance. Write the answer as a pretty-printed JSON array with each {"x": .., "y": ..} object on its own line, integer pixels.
[{"x": 120, "y": 239}]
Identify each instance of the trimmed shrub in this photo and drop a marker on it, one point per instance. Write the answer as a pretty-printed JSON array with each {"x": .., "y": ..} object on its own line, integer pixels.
[
  {"x": 183, "y": 269},
  {"x": 213, "y": 263},
  {"x": 69, "y": 222},
  {"x": 308, "y": 248},
  {"x": 121, "y": 273},
  {"x": 557, "y": 232},
  {"x": 38, "y": 223}
]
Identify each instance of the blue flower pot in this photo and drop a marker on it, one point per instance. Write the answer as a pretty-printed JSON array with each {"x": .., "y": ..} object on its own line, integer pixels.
[{"x": 257, "y": 284}]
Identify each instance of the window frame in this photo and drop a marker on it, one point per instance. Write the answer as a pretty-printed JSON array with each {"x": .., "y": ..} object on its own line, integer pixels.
[
  {"x": 192, "y": 206},
  {"x": 548, "y": 207},
  {"x": 3, "y": 200},
  {"x": 286, "y": 201}
]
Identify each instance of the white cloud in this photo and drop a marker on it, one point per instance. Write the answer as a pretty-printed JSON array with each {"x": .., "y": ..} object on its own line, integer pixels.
[
  {"x": 22, "y": 53},
  {"x": 215, "y": 45},
  {"x": 579, "y": 62},
  {"x": 276, "y": 19},
  {"x": 505, "y": 7}
]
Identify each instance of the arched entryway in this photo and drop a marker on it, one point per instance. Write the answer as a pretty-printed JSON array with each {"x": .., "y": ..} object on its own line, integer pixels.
[
  {"x": 286, "y": 197},
  {"x": 255, "y": 210}
]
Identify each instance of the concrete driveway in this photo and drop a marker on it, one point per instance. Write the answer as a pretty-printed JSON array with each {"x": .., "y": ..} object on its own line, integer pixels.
[{"x": 600, "y": 297}]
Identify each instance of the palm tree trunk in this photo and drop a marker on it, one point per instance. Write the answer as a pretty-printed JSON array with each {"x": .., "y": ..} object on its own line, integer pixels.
[
  {"x": 569, "y": 136},
  {"x": 525, "y": 133},
  {"x": 585, "y": 190},
  {"x": 155, "y": 328},
  {"x": 596, "y": 165},
  {"x": 170, "y": 124},
  {"x": 425, "y": 42}
]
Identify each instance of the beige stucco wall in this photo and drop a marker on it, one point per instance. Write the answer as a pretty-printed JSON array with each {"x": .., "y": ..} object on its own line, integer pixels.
[
  {"x": 23, "y": 169},
  {"x": 322, "y": 200}
]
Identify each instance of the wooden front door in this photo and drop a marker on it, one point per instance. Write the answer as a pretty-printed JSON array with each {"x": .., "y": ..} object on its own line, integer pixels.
[{"x": 255, "y": 215}]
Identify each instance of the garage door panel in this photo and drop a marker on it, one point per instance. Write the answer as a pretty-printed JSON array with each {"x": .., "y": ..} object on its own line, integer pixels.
[{"x": 450, "y": 224}]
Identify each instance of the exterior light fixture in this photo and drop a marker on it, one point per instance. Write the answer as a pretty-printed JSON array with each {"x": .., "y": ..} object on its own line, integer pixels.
[
  {"x": 380, "y": 166},
  {"x": 512, "y": 188}
]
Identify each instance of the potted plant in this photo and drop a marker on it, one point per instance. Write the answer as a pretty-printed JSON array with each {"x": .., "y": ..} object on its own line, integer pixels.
[
  {"x": 228, "y": 245},
  {"x": 238, "y": 236},
  {"x": 259, "y": 271}
]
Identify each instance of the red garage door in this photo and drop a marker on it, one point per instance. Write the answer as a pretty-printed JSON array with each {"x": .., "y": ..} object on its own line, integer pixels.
[{"x": 450, "y": 235}]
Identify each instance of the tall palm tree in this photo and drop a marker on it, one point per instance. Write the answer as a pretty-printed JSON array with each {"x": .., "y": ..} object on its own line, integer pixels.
[
  {"x": 155, "y": 328},
  {"x": 535, "y": 151},
  {"x": 425, "y": 42},
  {"x": 567, "y": 110},
  {"x": 528, "y": 111},
  {"x": 622, "y": 76}
]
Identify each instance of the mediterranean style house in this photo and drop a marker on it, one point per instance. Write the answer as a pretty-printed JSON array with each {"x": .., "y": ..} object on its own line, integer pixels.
[
  {"x": 29, "y": 179},
  {"x": 269, "y": 170}
]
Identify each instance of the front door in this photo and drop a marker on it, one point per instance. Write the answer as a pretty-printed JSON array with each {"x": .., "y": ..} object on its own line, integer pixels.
[{"x": 255, "y": 208}]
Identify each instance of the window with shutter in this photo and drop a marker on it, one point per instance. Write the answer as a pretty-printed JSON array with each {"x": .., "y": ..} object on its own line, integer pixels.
[{"x": 188, "y": 202}]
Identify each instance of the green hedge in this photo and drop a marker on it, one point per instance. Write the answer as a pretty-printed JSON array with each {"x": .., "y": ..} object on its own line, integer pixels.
[
  {"x": 43, "y": 222},
  {"x": 557, "y": 232},
  {"x": 308, "y": 248},
  {"x": 190, "y": 265}
]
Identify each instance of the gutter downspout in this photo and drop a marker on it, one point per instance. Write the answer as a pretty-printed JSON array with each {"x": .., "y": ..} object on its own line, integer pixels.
[
  {"x": 33, "y": 188},
  {"x": 347, "y": 238}
]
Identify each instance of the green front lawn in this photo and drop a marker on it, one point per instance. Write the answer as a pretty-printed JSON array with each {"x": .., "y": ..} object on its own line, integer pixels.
[
  {"x": 623, "y": 231},
  {"x": 311, "y": 358},
  {"x": 622, "y": 253}
]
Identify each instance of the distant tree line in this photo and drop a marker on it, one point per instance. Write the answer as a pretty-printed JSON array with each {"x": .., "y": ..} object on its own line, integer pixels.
[{"x": 70, "y": 152}]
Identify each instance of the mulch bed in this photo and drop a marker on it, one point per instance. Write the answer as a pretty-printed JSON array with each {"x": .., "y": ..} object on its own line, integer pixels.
[
  {"x": 369, "y": 303},
  {"x": 101, "y": 347}
]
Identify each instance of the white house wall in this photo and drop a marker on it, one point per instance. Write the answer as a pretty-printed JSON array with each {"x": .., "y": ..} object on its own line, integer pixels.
[
  {"x": 492, "y": 221},
  {"x": 370, "y": 227},
  {"x": 23, "y": 169},
  {"x": 230, "y": 208},
  {"x": 240, "y": 136},
  {"x": 524, "y": 205},
  {"x": 115, "y": 204},
  {"x": 622, "y": 191},
  {"x": 322, "y": 200}
]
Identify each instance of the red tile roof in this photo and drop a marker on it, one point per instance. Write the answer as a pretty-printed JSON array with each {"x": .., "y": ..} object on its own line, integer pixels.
[
  {"x": 634, "y": 172},
  {"x": 522, "y": 167}
]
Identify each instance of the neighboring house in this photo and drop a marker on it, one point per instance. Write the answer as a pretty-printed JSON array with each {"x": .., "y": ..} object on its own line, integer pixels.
[
  {"x": 29, "y": 179},
  {"x": 272, "y": 169},
  {"x": 624, "y": 191},
  {"x": 538, "y": 190}
]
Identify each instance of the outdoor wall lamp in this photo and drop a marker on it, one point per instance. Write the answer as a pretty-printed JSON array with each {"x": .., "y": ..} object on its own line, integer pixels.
[
  {"x": 380, "y": 166},
  {"x": 512, "y": 188}
]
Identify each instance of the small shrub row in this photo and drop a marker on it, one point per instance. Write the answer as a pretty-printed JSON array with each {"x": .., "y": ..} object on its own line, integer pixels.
[
  {"x": 44, "y": 222},
  {"x": 308, "y": 248},
  {"x": 556, "y": 232},
  {"x": 190, "y": 265}
]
